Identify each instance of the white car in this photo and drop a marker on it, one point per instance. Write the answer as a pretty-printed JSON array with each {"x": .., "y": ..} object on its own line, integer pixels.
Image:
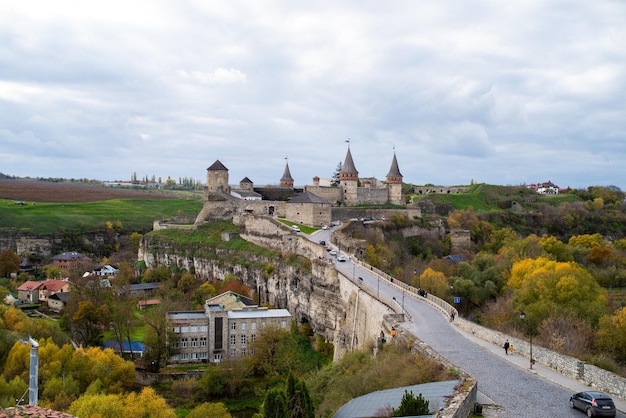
[
  {"x": 295, "y": 228},
  {"x": 341, "y": 257},
  {"x": 332, "y": 252},
  {"x": 325, "y": 227}
]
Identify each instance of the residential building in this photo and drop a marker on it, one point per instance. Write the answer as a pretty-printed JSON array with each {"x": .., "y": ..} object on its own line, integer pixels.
[
  {"x": 70, "y": 260},
  {"x": 222, "y": 330}
]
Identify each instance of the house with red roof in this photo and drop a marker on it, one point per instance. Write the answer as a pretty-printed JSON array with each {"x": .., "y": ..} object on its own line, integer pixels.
[
  {"x": 29, "y": 291},
  {"x": 51, "y": 287}
]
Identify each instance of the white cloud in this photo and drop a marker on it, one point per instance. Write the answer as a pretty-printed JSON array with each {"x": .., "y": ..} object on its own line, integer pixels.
[{"x": 491, "y": 91}]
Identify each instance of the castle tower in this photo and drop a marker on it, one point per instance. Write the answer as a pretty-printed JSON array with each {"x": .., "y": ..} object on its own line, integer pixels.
[
  {"x": 217, "y": 178},
  {"x": 286, "y": 180},
  {"x": 349, "y": 180},
  {"x": 394, "y": 183}
]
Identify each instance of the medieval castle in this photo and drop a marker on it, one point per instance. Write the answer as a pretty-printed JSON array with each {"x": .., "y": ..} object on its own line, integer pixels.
[{"x": 310, "y": 205}]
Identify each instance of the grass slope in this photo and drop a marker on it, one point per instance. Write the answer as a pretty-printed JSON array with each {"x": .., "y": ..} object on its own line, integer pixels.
[
  {"x": 133, "y": 214},
  {"x": 486, "y": 198}
]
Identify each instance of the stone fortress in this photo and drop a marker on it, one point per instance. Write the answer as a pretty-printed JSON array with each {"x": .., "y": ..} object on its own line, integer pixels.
[{"x": 311, "y": 205}]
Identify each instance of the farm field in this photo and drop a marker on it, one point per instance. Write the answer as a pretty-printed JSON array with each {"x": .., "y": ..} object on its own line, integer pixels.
[{"x": 41, "y": 207}]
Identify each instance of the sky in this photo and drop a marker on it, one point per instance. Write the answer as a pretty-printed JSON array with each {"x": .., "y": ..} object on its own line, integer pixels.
[{"x": 488, "y": 91}]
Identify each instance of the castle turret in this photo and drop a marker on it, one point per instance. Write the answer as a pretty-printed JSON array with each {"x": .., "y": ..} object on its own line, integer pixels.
[
  {"x": 217, "y": 178},
  {"x": 349, "y": 180},
  {"x": 394, "y": 183},
  {"x": 286, "y": 180}
]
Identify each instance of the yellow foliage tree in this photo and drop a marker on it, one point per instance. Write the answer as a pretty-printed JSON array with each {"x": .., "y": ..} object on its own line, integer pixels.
[
  {"x": 612, "y": 334},
  {"x": 543, "y": 287},
  {"x": 145, "y": 405},
  {"x": 213, "y": 410},
  {"x": 434, "y": 282}
]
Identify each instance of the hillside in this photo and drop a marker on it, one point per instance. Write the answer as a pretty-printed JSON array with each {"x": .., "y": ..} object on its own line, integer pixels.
[
  {"x": 487, "y": 198},
  {"x": 44, "y": 208}
]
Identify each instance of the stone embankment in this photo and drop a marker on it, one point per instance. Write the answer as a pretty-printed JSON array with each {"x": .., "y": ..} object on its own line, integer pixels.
[{"x": 588, "y": 374}]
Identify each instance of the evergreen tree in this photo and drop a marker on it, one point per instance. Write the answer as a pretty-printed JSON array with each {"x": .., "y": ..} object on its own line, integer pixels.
[
  {"x": 411, "y": 405},
  {"x": 335, "y": 179},
  {"x": 275, "y": 405}
]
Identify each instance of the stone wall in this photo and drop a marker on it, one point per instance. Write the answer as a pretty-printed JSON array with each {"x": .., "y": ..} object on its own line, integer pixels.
[
  {"x": 332, "y": 194},
  {"x": 460, "y": 239},
  {"x": 588, "y": 374},
  {"x": 347, "y": 213},
  {"x": 369, "y": 196},
  {"x": 440, "y": 189}
]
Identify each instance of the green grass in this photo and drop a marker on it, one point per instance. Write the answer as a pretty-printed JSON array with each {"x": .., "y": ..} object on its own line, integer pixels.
[
  {"x": 303, "y": 228},
  {"x": 487, "y": 198},
  {"x": 133, "y": 214}
]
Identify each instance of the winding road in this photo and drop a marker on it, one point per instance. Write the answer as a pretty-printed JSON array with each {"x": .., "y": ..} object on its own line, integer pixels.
[{"x": 518, "y": 392}]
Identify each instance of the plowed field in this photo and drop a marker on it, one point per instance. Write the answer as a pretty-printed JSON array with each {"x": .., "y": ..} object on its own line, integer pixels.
[{"x": 29, "y": 190}]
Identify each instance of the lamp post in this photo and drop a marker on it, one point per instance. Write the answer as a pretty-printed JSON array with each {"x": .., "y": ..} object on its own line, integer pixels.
[
  {"x": 522, "y": 316},
  {"x": 419, "y": 284}
]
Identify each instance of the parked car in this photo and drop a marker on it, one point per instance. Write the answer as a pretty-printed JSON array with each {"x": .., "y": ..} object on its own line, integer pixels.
[
  {"x": 325, "y": 227},
  {"x": 594, "y": 404},
  {"x": 295, "y": 228},
  {"x": 322, "y": 242},
  {"x": 332, "y": 252},
  {"x": 341, "y": 257}
]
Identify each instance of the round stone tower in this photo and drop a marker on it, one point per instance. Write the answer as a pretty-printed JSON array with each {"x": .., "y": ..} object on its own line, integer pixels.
[
  {"x": 394, "y": 183},
  {"x": 349, "y": 180}
]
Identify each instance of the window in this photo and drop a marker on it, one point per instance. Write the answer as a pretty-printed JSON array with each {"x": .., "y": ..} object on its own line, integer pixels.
[
  {"x": 253, "y": 326},
  {"x": 194, "y": 328},
  {"x": 243, "y": 351},
  {"x": 243, "y": 339},
  {"x": 217, "y": 357},
  {"x": 252, "y": 338},
  {"x": 177, "y": 329},
  {"x": 183, "y": 342},
  {"x": 233, "y": 339},
  {"x": 233, "y": 352},
  {"x": 243, "y": 326},
  {"x": 217, "y": 335},
  {"x": 204, "y": 328},
  {"x": 202, "y": 341},
  {"x": 283, "y": 324},
  {"x": 194, "y": 342},
  {"x": 233, "y": 326},
  {"x": 184, "y": 329}
]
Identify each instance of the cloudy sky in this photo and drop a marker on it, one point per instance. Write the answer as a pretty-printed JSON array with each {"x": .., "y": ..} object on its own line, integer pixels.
[{"x": 500, "y": 92}]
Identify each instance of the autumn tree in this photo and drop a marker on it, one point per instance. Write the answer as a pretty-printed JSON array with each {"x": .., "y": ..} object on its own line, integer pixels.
[
  {"x": 9, "y": 263},
  {"x": 146, "y": 404},
  {"x": 213, "y": 410},
  {"x": 433, "y": 282},
  {"x": 89, "y": 323},
  {"x": 543, "y": 287},
  {"x": 612, "y": 334}
]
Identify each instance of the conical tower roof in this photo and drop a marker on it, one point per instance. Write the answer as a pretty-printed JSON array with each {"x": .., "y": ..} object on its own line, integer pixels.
[
  {"x": 286, "y": 179},
  {"x": 394, "y": 171},
  {"x": 348, "y": 169}
]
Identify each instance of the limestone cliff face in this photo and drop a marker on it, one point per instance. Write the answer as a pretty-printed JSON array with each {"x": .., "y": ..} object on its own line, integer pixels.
[{"x": 314, "y": 293}]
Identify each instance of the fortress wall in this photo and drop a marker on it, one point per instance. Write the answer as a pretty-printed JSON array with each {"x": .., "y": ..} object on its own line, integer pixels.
[
  {"x": 314, "y": 215},
  {"x": 440, "y": 189},
  {"x": 369, "y": 196},
  {"x": 332, "y": 194},
  {"x": 347, "y": 213}
]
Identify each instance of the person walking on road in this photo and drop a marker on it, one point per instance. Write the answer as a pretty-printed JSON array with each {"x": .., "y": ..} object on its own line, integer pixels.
[{"x": 506, "y": 347}]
